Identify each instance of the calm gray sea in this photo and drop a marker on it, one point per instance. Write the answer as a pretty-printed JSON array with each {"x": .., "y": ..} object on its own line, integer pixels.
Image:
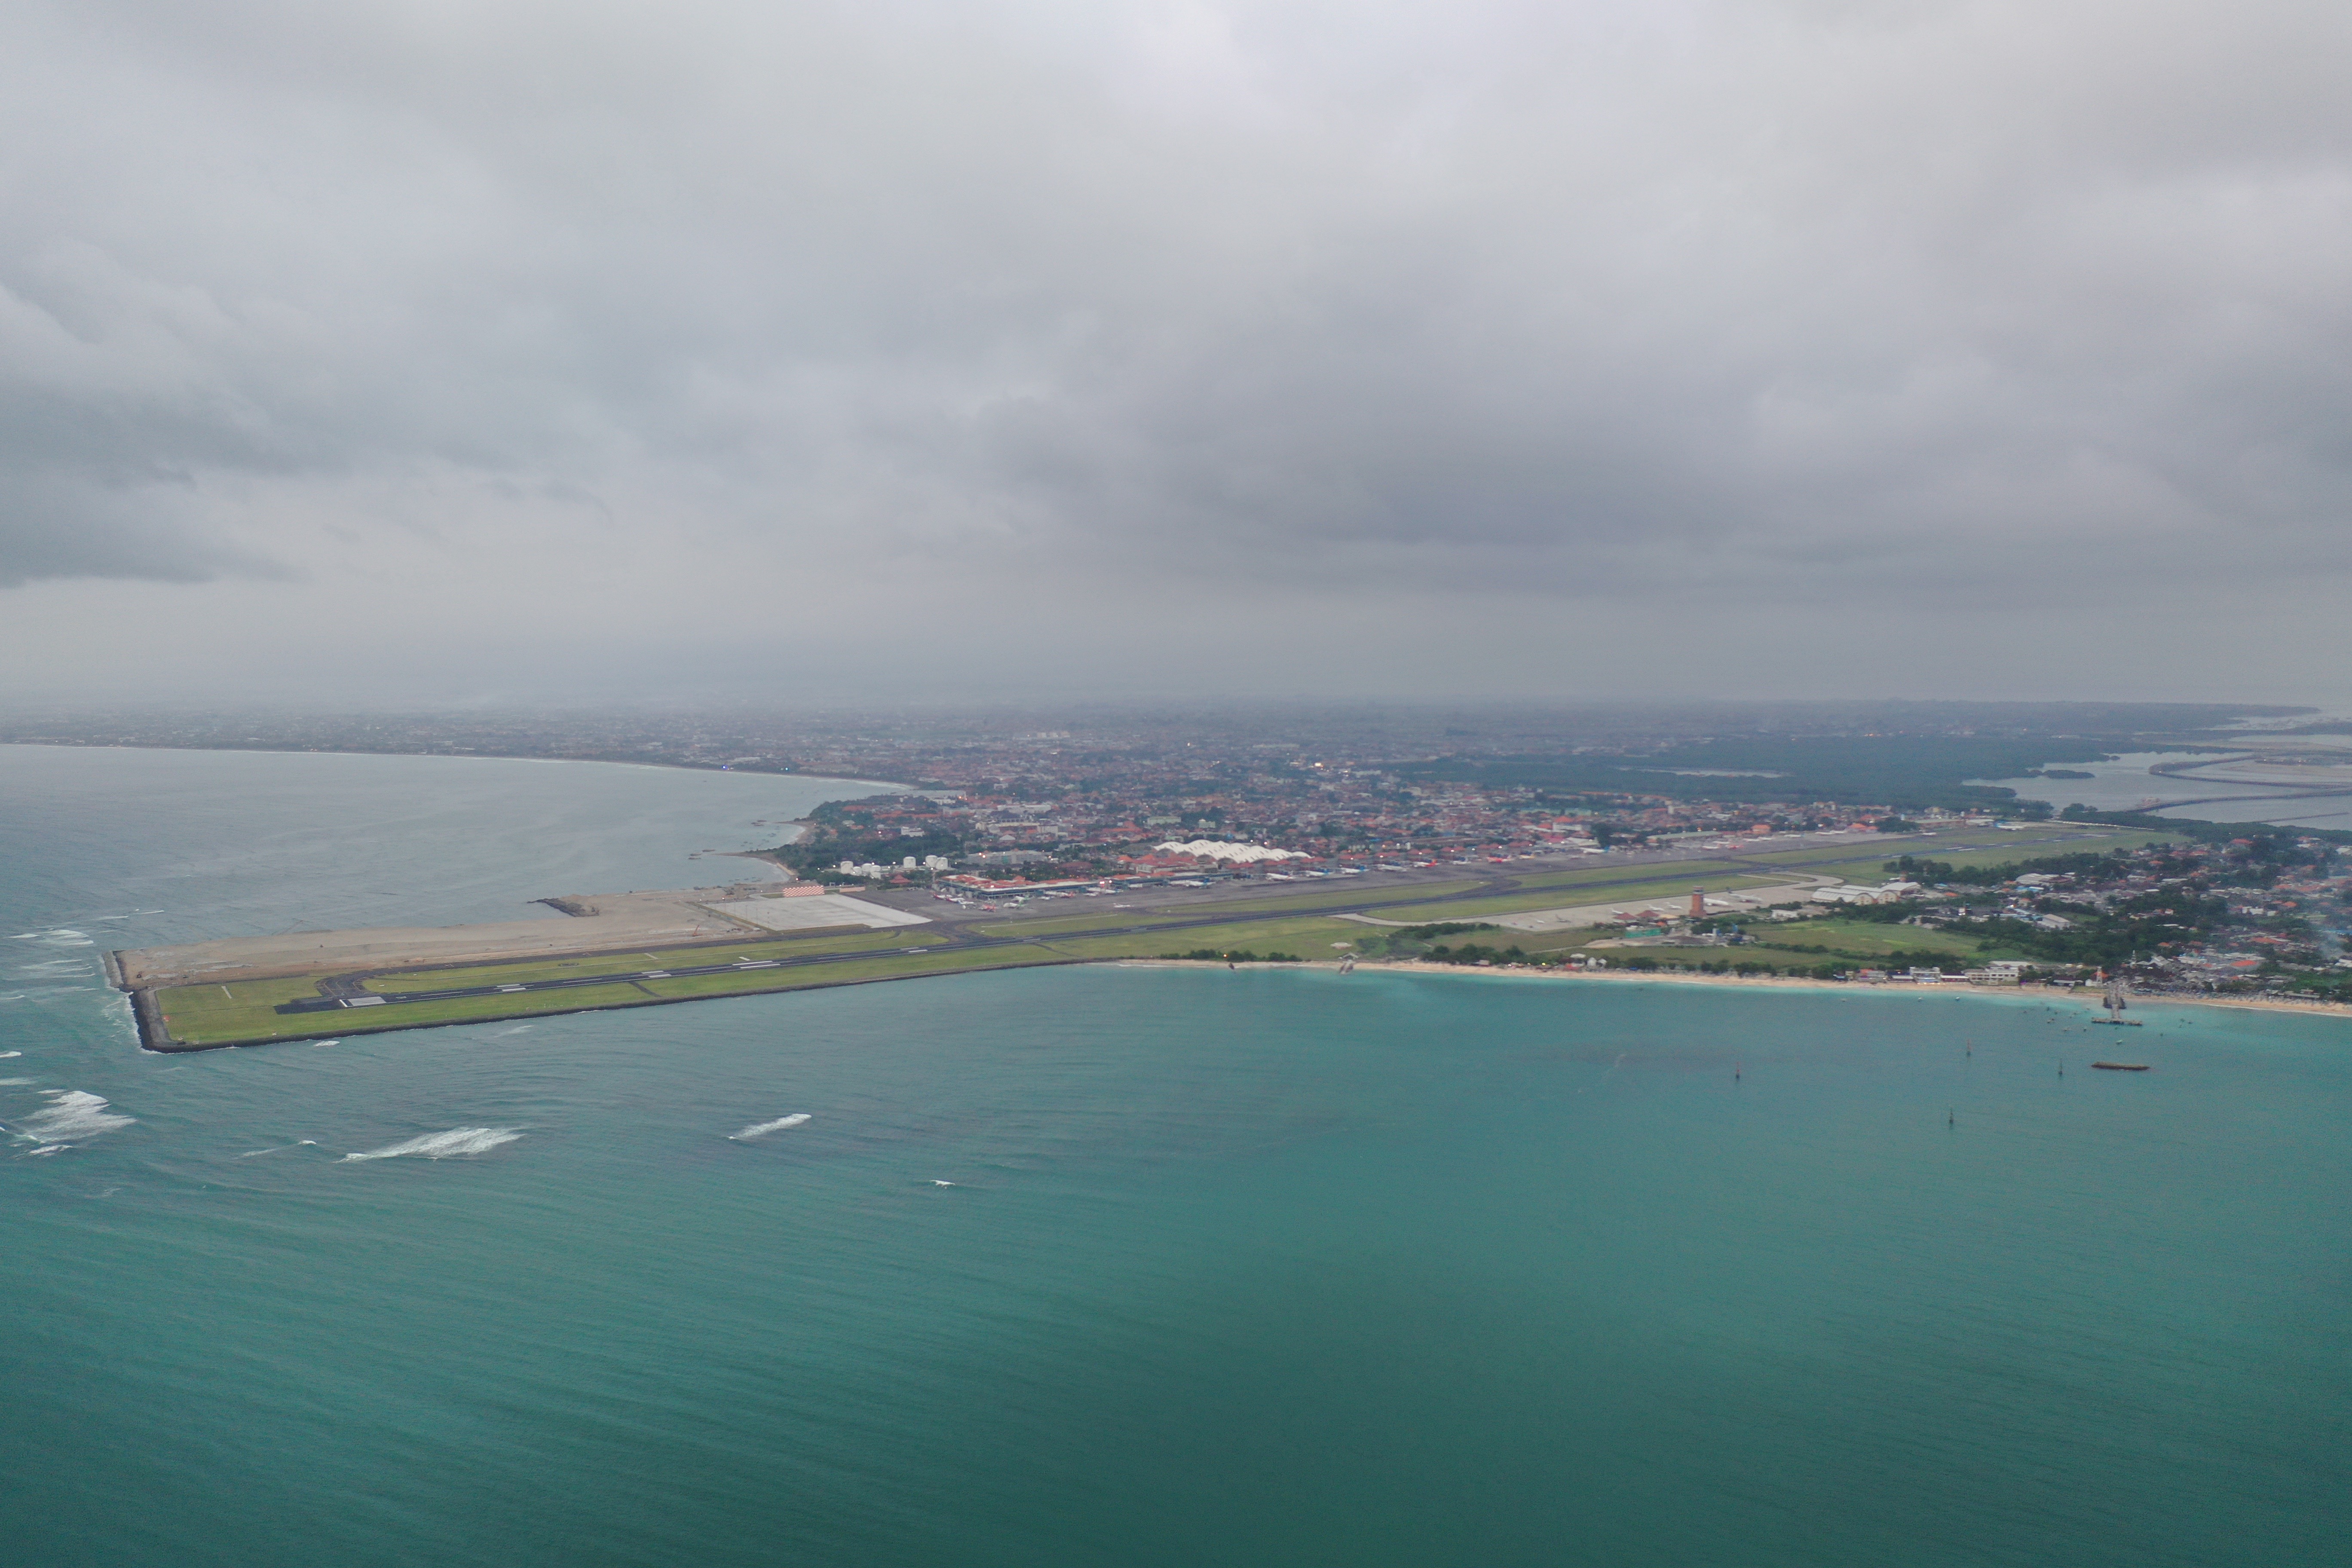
[{"x": 1111, "y": 1266}]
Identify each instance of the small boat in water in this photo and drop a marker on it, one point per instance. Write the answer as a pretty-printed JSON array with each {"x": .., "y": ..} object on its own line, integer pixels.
[{"x": 2121, "y": 1066}]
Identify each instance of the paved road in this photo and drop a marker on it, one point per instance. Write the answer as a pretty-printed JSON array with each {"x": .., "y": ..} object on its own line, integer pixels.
[{"x": 958, "y": 936}]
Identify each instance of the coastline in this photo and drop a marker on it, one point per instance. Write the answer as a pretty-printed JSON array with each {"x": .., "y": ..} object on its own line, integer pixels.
[
  {"x": 289, "y": 751},
  {"x": 2084, "y": 997},
  {"x": 155, "y": 1037}
]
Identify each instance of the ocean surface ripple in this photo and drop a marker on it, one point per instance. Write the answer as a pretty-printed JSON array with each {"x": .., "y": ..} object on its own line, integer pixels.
[{"x": 1146, "y": 1268}]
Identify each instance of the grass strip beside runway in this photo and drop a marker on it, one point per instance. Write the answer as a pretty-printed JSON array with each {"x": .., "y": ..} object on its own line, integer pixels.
[
  {"x": 248, "y": 1017},
  {"x": 1675, "y": 891},
  {"x": 524, "y": 972}
]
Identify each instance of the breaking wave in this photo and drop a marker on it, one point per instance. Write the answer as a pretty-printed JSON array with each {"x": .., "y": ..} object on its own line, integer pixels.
[
  {"x": 48, "y": 966},
  {"x": 72, "y": 1113},
  {"x": 778, "y": 1125},
  {"x": 457, "y": 1140},
  {"x": 60, "y": 936}
]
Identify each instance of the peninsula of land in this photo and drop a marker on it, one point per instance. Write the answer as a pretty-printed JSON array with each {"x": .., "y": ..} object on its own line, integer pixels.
[{"x": 1693, "y": 907}]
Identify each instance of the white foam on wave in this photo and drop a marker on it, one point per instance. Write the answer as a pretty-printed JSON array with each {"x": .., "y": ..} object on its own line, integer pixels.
[
  {"x": 72, "y": 1113},
  {"x": 54, "y": 966},
  {"x": 47, "y": 1148},
  {"x": 6, "y": 1053},
  {"x": 322, "y": 1045},
  {"x": 518, "y": 1029},
  {"x": 456, "y": 1142},
  {"x": 60, "y": 936},
  {"x": 14, "y": 1082},
  {"x": 778, "y": 1125}
]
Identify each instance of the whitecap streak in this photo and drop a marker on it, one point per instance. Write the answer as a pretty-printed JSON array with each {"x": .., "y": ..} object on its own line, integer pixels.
[
  {"x": 457, "y": 1142},
  {"x": 72, "y": 1113},
  {"x": 778, "y": 1125},
  {"x": 52, "y": 967}
]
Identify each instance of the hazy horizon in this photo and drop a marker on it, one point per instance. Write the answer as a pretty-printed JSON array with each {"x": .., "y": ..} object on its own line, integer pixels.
[{"x": 408, "y": 355}]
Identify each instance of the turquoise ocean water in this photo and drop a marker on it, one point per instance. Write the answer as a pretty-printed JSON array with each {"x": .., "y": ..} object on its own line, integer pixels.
[{"x": 1235, "y": 1269}]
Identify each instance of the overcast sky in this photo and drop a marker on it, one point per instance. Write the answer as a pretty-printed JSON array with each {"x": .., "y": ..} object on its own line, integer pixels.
[{"x": 500, "y": 349}]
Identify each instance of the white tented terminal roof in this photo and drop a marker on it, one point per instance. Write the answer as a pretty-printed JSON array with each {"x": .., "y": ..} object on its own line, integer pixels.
[{"x": 1218, "y": 850}]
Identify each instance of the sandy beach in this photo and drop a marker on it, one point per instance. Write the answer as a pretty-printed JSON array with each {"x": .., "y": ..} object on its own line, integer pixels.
[{"x": 2086, "y": 997}]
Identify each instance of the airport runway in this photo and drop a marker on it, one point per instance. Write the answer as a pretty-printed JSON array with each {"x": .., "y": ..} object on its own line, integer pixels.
[{"x": 1641, "y": 867}]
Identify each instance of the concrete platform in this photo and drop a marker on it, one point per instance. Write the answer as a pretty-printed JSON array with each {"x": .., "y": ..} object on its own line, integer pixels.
[
  {"x": 822, "y": 909},
  {"x": 600, "y": 923}
]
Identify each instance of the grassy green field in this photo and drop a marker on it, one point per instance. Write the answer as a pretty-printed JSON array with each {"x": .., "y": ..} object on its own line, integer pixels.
[
  {"x": 1535, "y": 945},
  {"x": 206, "y": 1014},
  {"x": 1308, "y": 937},
  {"x": 1098, "y": 916},
  {"x": 243, "y": 1014},
  {"x": 892, "y": 966},
  {"x": 1865, "y": 938},
  {"x": 521, "y": 973},
  {"x": 1354, "y": 892},
  {"x": 1863, "y": 857},
  {"x": 1854, "y": 941},
  {"x": 1679, "y": 887},
  {"x": 216, "y": 1015},
  {"x": 1846, "y": 943},
  {"x": 1102, "y": 919},
  {"x": 1076, "y": 925}
]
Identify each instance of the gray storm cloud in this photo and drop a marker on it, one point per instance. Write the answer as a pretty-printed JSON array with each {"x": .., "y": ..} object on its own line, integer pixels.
[{"x": 1558, "y": 306}]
